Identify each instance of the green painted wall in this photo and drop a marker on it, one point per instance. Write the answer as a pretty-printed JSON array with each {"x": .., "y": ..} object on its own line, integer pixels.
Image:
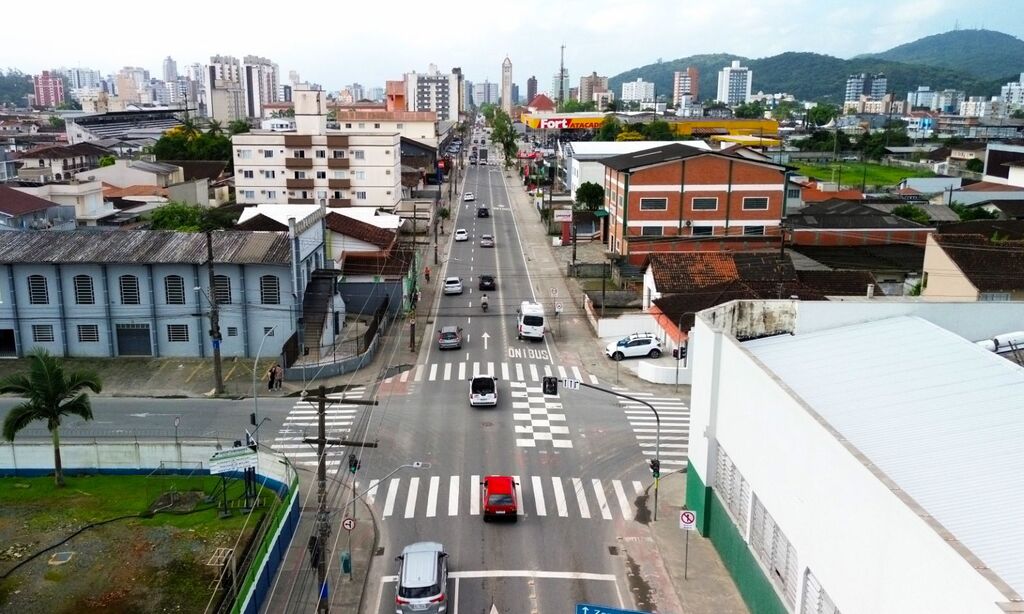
[{"x": 714, "y": 522}]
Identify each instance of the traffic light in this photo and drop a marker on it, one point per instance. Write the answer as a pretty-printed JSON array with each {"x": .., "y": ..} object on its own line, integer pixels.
[
  {"x": 550, "y": 385},
  {"x": 655, "y": 468},
  {"x": 353, "y": 463},
  {"x": 680, "y": 352}
]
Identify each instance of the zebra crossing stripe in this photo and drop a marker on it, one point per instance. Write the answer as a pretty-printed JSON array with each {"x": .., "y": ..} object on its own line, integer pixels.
[
  {"x": 433, "y": 372},
  {"x": 581, "y": 497},
  {"x": 593, "y": 379},
  {"x": 453, "y": 496},
  {"x": 462, "y": 371},
  {"x": 410, "y": 500},
  {"x": 432, "y": 496},
  {"x": 490, "y": 368},
  {"x": 561, "y": 372},
  {"x": 404, "y": 377},
  {"x": 563, "y": 509},
  {"x": 474, "y": 495},
  {"x": 476, "y": 369},
  {"x": 504, "y": 371},
  {"x": 547, "y": 371},
  {"x": 371, "y": 494},
  {"x": 602, "y": 501},
  {"x": 538, "y": 495},
  {"x": 638, "y": 487},
  {"x": 519, "y": 495},
  {"x": 533, "y": 372},
  {"x": 577, "y": 374},
  {"x": 447, "y": 371},
  {"x": 419, "y": 373},
  {"x": 519, "y": 372},
  {"x": 389, "y": 500},
  {"x": 620, "y": 494}
]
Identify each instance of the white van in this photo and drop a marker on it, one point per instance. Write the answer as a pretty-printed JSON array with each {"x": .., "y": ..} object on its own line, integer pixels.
[{"x": 530, "y": 323}]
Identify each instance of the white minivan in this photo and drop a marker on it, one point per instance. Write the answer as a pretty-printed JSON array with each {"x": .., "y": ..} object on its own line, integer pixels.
[{"x": 530, "y": 323}]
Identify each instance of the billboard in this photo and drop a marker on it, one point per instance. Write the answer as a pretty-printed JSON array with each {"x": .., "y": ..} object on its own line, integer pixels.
[{"x": 568, "y": 121}]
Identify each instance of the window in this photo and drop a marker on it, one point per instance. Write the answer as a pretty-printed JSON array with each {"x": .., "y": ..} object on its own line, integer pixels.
[
  {"x": 702, "y": 231},
  {"x": 358, "y": 154},
  {"x": 377, "y": 126},
  {"x": 360, "y": 195},
  {"x": 300, "y": 174},
  {"x": 321, "y": 174},
  {"x": 271, "y": 194},
  {"x": 232, "y": 331},
  {"x": 704, "y": 204},
  {"x": 359, "y": 174},
  {"x": 222, "y": 289},
  {"x": 653, "y": 204},
  {"x": 337, "y": 194},
  {"x": 268, "y": 331},
  {"x": 244, "y": 154},
  {"x": 321, "y": 153},
  {"x": 84, "y": 294},
  {"x": 994, "y": 296},
  {"x": 793, "y": 193},
  {"x": 88, "y": 333},
  {"x": 362, "y": 125},
  {"x": 399, "y": 126},
  {"x": 774, "y": 551},
  {"x": 249, "y": 194},
  {"x": 177, "y": 333},
  {"x": 348, "y": 125},
  {"x": 815, "y": 600},
  {"x": 247, "y": 174},
  {"x": 269, "y": 174},
  {"x": 174, "y": 289},
  {"x": 387, "y": 172},
  {"x": 299, "y": 153},
  {"x": 341, "y": 174},
  {"x": 758, "y": 203},
  {"x": 732, "y": 489},
  {"x": 338, "y": 154},
  {"x": 42, "y": 333},
  {"x": 38, "y": 294},
  {"x": 753, "y": 231},
  {"x": 651, "y": 231},
  {"x": 129, "y": 290},
  {"x": 268, "y": 153}
]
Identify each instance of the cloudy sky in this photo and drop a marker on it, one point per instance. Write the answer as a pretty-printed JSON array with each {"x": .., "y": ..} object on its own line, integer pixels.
[{"x": 339, "y": 43}]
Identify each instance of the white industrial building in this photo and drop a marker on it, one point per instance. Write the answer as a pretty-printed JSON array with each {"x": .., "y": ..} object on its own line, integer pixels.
[{"x": 862, "y": 456}]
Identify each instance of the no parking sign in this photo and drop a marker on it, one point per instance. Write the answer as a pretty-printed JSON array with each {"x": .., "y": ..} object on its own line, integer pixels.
[{"x": 688, "y": 520}]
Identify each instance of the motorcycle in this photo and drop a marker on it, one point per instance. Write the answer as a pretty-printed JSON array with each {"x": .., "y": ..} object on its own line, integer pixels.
[{"x": 483, "y": 304}]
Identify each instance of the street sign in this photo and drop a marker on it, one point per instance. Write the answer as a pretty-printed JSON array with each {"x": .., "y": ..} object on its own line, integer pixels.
[
  {"x": 554, "y": 291},
  {"x": 688, "y": 520},
  {"x": 562, "y": 215},
  {"x": 232, "y": 459},
  {"x": 589, "y": 608},
  {"x": 571, "y": 384},
  {"x": 348, "y": 524}
]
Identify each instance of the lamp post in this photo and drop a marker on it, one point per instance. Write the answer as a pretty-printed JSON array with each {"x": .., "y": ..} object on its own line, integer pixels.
[
  {"x": 218, "y": 374},
  {"x": 255, "y": 389}
]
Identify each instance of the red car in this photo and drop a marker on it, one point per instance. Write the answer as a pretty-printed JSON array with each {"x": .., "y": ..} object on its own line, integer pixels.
[{"x": 499, "y": 497}]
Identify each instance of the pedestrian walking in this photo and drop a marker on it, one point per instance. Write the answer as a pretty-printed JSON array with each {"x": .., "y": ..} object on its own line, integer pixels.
[
  {"x": 426, "y": 272},
  {"x": 278, "y": 376},
  {"x": 271, "y": 377}
]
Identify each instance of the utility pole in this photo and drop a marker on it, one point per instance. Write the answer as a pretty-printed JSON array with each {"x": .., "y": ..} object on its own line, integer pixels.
[
  {"x": 561, "y": 78},
  {"x": 318, "y": 542},
  {"x": 215, "y": 337}
]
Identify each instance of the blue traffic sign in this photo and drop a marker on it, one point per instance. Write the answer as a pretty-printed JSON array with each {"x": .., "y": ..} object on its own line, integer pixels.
[{"x": 590, "y": 608}]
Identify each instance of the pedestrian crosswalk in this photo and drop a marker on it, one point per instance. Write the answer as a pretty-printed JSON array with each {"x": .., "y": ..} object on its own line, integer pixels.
[
  {"x": 675, "y": 426},
  {"x": 456, "y": 495},
  {"x": 301, "y": 422},
  {"x": 537, "y": 417},
  {"x": 505, "y": 371}
]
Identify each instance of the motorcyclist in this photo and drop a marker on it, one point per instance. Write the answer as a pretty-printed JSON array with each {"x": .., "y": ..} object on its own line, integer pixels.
[{"x": 483, "y": 302}]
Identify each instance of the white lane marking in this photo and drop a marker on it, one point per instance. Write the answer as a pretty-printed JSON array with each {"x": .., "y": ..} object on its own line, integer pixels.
[
  {"x": 519, "y": 573},
  {"x": 602, "y": 501},
  {"x": 474, "y": 495},
  {"x": 519, "y": 372},
  {"x": 663, "y": 431},
  {"x": 462, "y": 371},
  {"x": 561, "y": 372},
  {"x": 563, "y": 509},
  {"x": 664, "y": 453},
  {"x": 665, "y": 445},
  {"x": 447, "y": 371},
  {"x": 538, "y": 495},
  {"x": 419, "y": 373},
  {"x": 547, "y": 371},
  {"x": 453, "y": 496},
  {"x": 533, "y": 372},
  {"x": 371, "y": 494},
  {"x": 581, "y": 497},
  {"x": 404, "y": 377},
  {"x": 504, "y": 371},
  {"x": 490, "y": 369},
  {"x": 433, "y": 372},
  {"x": 620, "y": 494},
  {"x": 638, "y": 487},
  {"x": 593, "y": 379},
  {"x": 476, "y": 369},
  {"x": 519, "y": 496},
  {"x": 432, "y": 496},
  {"x": 577, "y": 374},
  {"x": 410, "y": 500},
  {"x": 389, "y": 500}
]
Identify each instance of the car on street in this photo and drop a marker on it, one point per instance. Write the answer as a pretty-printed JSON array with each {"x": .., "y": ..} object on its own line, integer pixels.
[
  {"x": 469, "y": 197},
  {"x": 487, "y": 282},
  {"x": 486, "y": 241},
  {"x": 449, "y": 338},
  {"x": 453, "y": 285},
  {"x": 637, "y": 345},
  {"x": 483, "y": 212},
  {"x": 483, "y": 391},
  {"x": 499, "y": 498},
  {"x": 461, "y": 234},
  {"x": 422, "y": 581}
]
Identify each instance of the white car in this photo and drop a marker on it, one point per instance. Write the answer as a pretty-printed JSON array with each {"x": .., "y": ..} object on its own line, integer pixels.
[
  {"x": 453, "y": 285},
  {"x": 483, "y": 391},
  {"x": 461, "y": 235},
  {"x": 469, "y": 197},
  {"x": 634, "y": 346}
]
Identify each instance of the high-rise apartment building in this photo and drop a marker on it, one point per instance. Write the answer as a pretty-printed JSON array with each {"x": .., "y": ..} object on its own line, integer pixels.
[
  {"x": 873, "y": 86},
  {"x": 260, "y": 79},
  {"x": 638, "y": 91},
  {"x": 132, "y": 82},
  {"x": 78, "y": 78},
  {"x": 1012, "y": 94},
  {"x": 434, "y": 91},
  {"x": 531, "y": 88},
  {"x": 485, "y": 93},
  {"x": 375, "y": 93},
  {"x": 48, "y": 89},
  {"x": 560, "y": 87},
  {"x": 734, "y": 83},
  {"x": 506, "y": 85},
  {"x": 515, "y": 94},
  {"x": 592, "y": 84},
  {"x": 170, "y": 69},
  {"x": 685, "y": 83},
  {"x": 224, "y": 91}
]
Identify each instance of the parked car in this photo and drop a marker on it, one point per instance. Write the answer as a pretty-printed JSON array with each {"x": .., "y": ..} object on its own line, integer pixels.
[
  {"x": 487, "y": 282},
  {"x": 499, "y": 498},
  {"x": 422, "y": 584},
  {"x": 453, "y": 285},
  {"x": 461, "y": 235},
  {"x": 486, "y": 241},
  {"x": 483, "y": 212},
  {"x": 469, "y": 197},
  {"x": 449, "y": 338},
  {"x": 483, "y": 391},
  {"x": 634, "y": 346}
]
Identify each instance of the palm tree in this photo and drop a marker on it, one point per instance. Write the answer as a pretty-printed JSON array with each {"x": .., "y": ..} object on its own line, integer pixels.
[
  {"x": 51, "y": 393},
  {"x": 189, "y": 128},
  {"x": 214, "y": 127}
]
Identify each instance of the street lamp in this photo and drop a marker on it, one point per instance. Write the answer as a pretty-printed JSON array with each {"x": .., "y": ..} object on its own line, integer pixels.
[{"x": 255, "y": 389}]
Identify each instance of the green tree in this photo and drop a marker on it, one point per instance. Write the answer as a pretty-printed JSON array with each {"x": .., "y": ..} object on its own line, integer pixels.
[
  {"x": 214, "y": 127},
  {"x": 786, "y": 109},
  {"x": 504, "y": 134},
  {"x": 1017, "y": 114},
  {"x": 107, "y": 161},
  {"x": 56, "y": 122},
  {"x": 487, "y": 110},
  {"x": 238, "y": 126},
  {"x": 50, "y": 394},
  {"x": 589, "y": 196},
  {"x": 750, "y": 110},
  {"x": 659, "y": 130},
  {"x": 613, "y": 106},
  {"x": 14, "y": 87},
  {"x": 630, "y": 134},
  {"x": 609, "y": 130},
  {"x": 873, "y": 144},
  {"x": 69, "y": 104},
  {"x": 575, "y": 106},
  {"x": 824, "y": 140},
  {"x": 975, "y": 165},
  {"x": 821, "y": 114},
  {"x": 969, "y": 214},
  {"x": 190, "y": 218},
  {"x": 912, "y": 213}
]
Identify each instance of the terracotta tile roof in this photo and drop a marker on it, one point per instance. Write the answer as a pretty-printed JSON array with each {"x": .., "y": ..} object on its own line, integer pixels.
[
  {"x": 110, "y": 191},
  {"x": 50, "y": 152},
  {"x": 989, "y": 266},
  {"x": 673, "y": 151},
  {"x": 541, "y": 103},
  {"x": 988, "y": 186},
  {"x": 15, "y": 202},
  {"x": 814, "y": 195},
  {"x": 395, "y": 264},
  {"x": 840, "y": 283},
  {"x": 381, "y": 115},
  {"x": 687, "y": 271},
  {"x": 363, "y": 231}
]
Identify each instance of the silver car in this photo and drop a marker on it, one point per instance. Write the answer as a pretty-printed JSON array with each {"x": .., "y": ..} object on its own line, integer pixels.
[{"x": 422, "y": 579}]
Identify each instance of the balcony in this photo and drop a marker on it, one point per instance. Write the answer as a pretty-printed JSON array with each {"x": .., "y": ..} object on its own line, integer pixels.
[
  {"x": 339, "y": 184},
  {"x": 298, "y": 184},
  {"x": 298, "y": 141},
  {"x": 301, "y": 201},
  {"x": 337, "y": 141},
  {"x": 337, "y": 163},
  {"x": 339, "y": 202},
  {"x": 298, "y": 163}
]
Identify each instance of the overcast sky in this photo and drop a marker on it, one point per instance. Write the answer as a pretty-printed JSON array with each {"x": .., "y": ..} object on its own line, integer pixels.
[{"x": 368, "y": 42}]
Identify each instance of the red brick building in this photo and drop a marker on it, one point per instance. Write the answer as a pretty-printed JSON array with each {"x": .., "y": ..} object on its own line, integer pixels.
[
  {"x": 676, "y": 198},
  {"x": 48, "y": 89}
]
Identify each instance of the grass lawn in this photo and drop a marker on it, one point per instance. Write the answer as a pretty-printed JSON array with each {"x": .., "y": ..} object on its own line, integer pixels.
[{"x": 853, "y": 173}]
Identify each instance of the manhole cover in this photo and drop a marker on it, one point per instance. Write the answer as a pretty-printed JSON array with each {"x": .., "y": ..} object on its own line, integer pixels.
[
  {"x": 486, "y": 424},
  {"x": 59, "y": 558}
]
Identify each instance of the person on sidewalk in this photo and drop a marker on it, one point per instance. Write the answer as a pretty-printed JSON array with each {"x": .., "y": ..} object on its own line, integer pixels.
[
  {"x": 426, "y": 272},
  {"x": 278, "y": 376},
  {"x": 271, "y": 376}
]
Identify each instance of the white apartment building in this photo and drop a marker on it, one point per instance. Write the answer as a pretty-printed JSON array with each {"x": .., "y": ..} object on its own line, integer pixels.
[
  {"x": 980, "y": 106},
  {"x": 260, "y": 80},
  {"x": 638, "y": 91},
  {"x": 560, "y": 86},
  {"x": 222, "y": 82},
  {"x": 734, "y": 83},
  {"x": 485, "y": 93},
  {"x": 1013, "y": 93},
  {"x": 683, "y": 84},
  {"x": 434, "y": 91},
  {"x": 314, "y": 165},
  {"x": 419, "y": 126}
]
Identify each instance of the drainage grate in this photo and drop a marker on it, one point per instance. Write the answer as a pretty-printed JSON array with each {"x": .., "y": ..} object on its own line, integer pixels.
[
  {"x": 613, "y": 550},
  {"x": 379, "y": 551}
]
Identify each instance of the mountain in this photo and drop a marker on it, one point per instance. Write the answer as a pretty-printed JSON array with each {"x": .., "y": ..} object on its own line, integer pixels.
[
  {"x": 975, "y": 61},
  {"x": 985, "y": 53}
]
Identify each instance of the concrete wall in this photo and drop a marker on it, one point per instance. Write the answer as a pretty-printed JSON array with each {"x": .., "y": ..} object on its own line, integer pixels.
[
  {"x": 943, "y": 280},
  {"x": 610, "y": 329},
  {"x": 196, "y": 192},
  {"x": 665, "y": 373}
]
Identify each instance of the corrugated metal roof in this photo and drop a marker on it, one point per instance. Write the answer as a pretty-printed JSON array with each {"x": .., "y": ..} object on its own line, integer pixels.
[
  {"x": 143, "y": 246},
  {"x": 940, "y": 416}
]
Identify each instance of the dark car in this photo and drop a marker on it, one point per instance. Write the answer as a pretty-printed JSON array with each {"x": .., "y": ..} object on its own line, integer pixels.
[
  {"x": 483, "y": 212},
  {"x": 487, "y": 282}
]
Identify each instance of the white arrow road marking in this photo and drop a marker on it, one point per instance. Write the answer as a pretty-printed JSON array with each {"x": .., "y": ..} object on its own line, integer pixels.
[{"x": 485, "y": 337}]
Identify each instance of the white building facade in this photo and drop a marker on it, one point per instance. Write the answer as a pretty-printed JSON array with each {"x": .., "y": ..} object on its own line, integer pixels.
[
  {"x": 434, "y": 91},
  {"x": 734, "y": 83},
  {"x": 638, "y": 91}
]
